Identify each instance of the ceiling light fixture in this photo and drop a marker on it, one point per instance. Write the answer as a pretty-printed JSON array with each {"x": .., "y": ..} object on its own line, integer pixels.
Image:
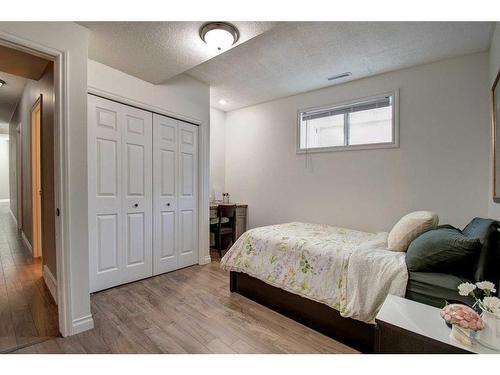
[
  {"x": 338, "y": 76},
  {"x": 2, "y": 82},
  {"x": 220, "y": 35},
  {"x": 223, "y": 101}
]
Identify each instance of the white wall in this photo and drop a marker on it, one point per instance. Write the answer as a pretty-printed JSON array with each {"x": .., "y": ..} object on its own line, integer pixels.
[
  {"x": 217, "y": 151},
  {"x": 494, "y": 208},
  {"x": 441, "y": 165},
  {"x": 182, "y": 97},
  {"x": 72, "y": 40},
  {"x": 4, "y": 166}
]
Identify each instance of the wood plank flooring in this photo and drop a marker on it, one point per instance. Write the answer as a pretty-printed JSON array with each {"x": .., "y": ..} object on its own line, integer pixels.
[
  {"x": 187, "y": 311},
  {"x": 28, "y": 314}
]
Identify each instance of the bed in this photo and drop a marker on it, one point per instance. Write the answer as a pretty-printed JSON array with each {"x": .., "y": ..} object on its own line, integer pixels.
[
  {"x": 331, "y": 279},
  {"x": 335, "y": 280}
]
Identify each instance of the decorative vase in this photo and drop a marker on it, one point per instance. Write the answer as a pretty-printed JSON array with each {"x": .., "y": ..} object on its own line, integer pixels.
[{"x": 490, "y": 335}]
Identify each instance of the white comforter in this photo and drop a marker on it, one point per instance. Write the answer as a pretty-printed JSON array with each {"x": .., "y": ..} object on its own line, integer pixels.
[{"x": 348, "y": 270}]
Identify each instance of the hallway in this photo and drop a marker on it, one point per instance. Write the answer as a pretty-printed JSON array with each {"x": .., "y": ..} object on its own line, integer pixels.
[{"x": 28, "y": 313}]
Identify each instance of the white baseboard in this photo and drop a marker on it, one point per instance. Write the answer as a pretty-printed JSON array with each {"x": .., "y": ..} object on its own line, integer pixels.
[
  {"x": 13, "y": 218},
  {"x": 82, "y": 324},
  {"x": 206, "y": 260},
  {"x": 50, "y": 281},
  {"x": 26, "y": 242}
]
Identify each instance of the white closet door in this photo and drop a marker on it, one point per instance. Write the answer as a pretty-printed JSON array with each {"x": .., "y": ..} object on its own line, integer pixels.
[
  {"x": 188, "y": 197},
  {"x": 120, "y": 193},
  {"x": 165, "y": 222},
  {"x": 137, "y": 190},
  {"x": 105, "y": 191},
  {"x": 174, "y": 191}
]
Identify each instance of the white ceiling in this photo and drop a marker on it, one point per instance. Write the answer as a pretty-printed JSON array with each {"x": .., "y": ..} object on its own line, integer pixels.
[
  {"x": 10, "y": 93},
  {"x": 157, "y": 51},
  {"x": 274, "y": 60},
  {"x": 298, "y": 57}
]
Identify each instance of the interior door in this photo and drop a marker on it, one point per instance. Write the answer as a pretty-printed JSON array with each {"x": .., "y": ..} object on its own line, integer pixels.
[
  {"x": 137, "y": 201},
  {"x": 120, "y": 193},
  {"x": 188, "y": 197},
  {"x": 175, "y": 161},
  {"x": 165, "y": 189},
  {"x": 36, "y": 178},
  {"x": 105, "y": 192}
]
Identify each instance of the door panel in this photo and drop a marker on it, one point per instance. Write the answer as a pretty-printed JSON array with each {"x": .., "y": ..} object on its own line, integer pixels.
[
  {"x": 137, "y": 206},
  {"x": 187, "y": 228},
  {"x": 174, "y": 187},
  {"x": 134, "y": 171},
  {"x": 168, "y": 173},
  {"x": 135, "y": 242},
  {"x": 167, "y": 235},
  {"x": 120, "y": 193},
  {"x": 104, "y": 165},
  {"x": 188, "y": 200},
  {"x": 165, "y": 227},
  {"x": 107, "y": 243},
  {"x": 107, "y": 171}
]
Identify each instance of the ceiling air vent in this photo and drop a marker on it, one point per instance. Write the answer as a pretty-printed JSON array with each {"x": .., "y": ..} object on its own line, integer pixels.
[{"x": 339, "y": 76}]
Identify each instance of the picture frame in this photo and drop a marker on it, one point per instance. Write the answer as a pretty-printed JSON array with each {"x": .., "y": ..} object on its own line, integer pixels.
[{"x": 495, "y": 122}]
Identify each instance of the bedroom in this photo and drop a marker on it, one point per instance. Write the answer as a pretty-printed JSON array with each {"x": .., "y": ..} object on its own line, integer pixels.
[{"x": 296, "y": 185}]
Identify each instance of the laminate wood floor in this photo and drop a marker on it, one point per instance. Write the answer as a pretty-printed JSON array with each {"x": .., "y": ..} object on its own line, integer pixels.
[
  {"x": 28, "y": 314},
  {"x": 187, "y": 311}
]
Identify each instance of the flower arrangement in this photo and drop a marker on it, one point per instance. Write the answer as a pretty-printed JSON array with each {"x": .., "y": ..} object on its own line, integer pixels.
[
  {"x": 489, "y": 336},
  {"x": 488, "y": 302}
]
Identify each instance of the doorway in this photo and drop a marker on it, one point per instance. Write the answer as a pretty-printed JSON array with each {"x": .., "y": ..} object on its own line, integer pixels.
[{"x": 28, "y": 253}]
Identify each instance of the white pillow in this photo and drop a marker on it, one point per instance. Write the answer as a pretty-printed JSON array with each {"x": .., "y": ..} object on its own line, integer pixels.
[{"x": 410, "y": 227}]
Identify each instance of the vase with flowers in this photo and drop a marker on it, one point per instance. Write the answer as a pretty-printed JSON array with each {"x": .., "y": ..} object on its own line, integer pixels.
[{"x": 482, "y": 292}]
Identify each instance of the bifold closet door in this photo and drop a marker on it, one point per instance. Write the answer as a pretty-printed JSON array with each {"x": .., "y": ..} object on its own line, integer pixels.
[
  {"x": 175, "y": 219},
  {"x": 120, "y": 193}
]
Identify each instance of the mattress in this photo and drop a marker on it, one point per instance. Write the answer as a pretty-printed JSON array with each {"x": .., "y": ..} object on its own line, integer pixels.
[
  {"x": 435, "y": 289},
  {"x": 348, "y": 270}
]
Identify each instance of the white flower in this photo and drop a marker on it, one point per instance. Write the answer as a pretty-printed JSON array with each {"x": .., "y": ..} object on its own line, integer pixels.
[
  {"x": 465, "y": 289},
  {"x": 492, "y": 304},
  {"x": 486, "y": 286}
]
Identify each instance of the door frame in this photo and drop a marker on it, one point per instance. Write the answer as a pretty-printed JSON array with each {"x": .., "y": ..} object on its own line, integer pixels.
[
  {"x": 36, "y": 170},
  {"x": 61, "y": 157}
]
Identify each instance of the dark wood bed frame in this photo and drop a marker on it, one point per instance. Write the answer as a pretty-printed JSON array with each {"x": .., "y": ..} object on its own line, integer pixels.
[{"x": 320, "y": 317}]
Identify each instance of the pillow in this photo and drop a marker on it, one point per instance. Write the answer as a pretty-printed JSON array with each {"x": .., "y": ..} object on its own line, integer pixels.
[
  {"x": 488, "y": 263},
  {"x": 443, "y": 250},
  {"x": 410, "y": 227}
]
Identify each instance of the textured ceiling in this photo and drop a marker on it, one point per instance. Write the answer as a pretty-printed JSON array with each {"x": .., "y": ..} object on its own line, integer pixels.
[
  {"x": 297, "y": 57},
  {"x": 10, "y": 94},
  {"x": 157, "y": 51}
]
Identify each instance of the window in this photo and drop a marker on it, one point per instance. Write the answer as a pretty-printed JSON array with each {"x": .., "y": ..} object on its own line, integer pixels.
[{"x": 359, "y": 124}]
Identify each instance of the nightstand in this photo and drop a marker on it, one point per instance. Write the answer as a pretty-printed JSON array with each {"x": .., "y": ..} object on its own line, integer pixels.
[{"x": 405, "y": 326}]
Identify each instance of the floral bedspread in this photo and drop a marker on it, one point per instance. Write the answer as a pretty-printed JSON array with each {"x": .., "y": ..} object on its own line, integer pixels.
[{"x": 313, "y": 260}]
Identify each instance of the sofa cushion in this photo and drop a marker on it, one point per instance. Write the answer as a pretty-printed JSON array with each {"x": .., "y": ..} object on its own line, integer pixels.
[
  {"x": 488, "y": 263},
  {"x": 443, "y": 250},
  {"x": 410, "y": 227}
]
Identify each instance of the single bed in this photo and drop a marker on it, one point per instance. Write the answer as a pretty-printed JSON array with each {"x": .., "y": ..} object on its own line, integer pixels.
[
  {"x": 332, "y": 279},
  {"x": 335, "y": 280}
]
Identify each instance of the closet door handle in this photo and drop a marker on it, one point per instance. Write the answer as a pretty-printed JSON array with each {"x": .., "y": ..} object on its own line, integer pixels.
[
  {"x": 136, "y": 205},
  {"x": 168, "y": 204}
]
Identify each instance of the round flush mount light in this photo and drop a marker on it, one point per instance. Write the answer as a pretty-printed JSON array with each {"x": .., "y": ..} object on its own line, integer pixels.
[
  {"x": 220, "y": 35},
  {"x": 223, "y": 101},
  {"x": 2, "y": 82}
]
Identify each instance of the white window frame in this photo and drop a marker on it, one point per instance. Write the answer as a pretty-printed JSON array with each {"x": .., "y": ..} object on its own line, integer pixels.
[{"x": 368, "y": 146}]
